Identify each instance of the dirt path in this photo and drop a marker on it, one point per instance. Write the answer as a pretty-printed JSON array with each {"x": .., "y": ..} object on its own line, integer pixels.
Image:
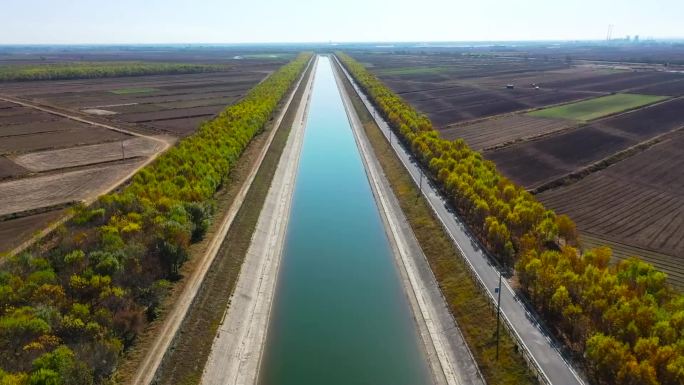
[
  {"x": 147, "y": 369},
  {"x": 163, "y": 144}
]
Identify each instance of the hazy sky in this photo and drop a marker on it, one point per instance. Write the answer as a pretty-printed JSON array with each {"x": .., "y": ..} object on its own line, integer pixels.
[{"x": 234, "y": 21}]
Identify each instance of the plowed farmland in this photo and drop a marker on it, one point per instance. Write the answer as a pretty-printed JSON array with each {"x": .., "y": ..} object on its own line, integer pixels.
[
  {"x": 618, "y": 170},
  {"x": 43, "y": 191},
  {"x": 491, "y": 132},
  {"x": 533, "y": 163},
  {"x": 638, "y": 202},
  {"x": 151, "y": 102},
  {"x": 85, "y": 155}
]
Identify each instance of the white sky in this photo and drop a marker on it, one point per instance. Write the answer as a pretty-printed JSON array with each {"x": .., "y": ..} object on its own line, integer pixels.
[{"x": 249, "y": 21}]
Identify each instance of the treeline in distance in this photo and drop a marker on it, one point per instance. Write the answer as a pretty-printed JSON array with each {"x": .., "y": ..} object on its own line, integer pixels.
[
  {"x": 92, "y": 70},
  {"x": 623, "y": 320},
  {"x": 73, "y": 304}
]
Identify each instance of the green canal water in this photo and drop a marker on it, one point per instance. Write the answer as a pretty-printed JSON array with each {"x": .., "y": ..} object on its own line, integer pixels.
[{"x": 340, "y": 315}]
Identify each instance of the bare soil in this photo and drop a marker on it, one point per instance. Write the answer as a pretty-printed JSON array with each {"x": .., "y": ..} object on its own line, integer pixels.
[
  {"x": 59, "y": 124},
  {"x": 87, "y": 155},
  {"x": 638, "y": 202},
  {"x": 509, "y": 128},
  {"x": 15, "y": 231},
  {"x": 50, "y": 140},
  {"x": 9, "y": 169},
  {"x": 52, "y": 189}
]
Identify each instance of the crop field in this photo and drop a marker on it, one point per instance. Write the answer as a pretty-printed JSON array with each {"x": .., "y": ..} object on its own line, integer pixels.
[
  {"x": 48, "y": 161},
  {"x": 85, "y": 155},
  {"x": 598, "y": 138},
  {"x": 505, "y": 129},
  {"x": 152, "y": 102},
  {"x": 535, "y": 162},
  {"x": 53, "y": 189},
  {"x": 57, "y": 139},
  {"x": 9, "y": 169},
  {"x": 669, "y": 88},
  {"x": 14, "y": 232},
  {"x": 598, "y": 107},
  {"x": 613, "y": 82},
  {"x": 671, "y": 264},
  {"x": 638, "y": 202},
  {"x": 452, "y": 87}
]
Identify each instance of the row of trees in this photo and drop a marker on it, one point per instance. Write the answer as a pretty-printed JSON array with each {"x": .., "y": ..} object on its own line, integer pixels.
[
  {"x": 623, "y": 320},
  {"x": 90, "y": 70},
  {"x": 70, "y": 307}
]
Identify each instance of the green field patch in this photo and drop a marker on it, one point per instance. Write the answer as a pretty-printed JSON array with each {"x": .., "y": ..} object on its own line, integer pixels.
[
  {"x": 414, "y": 70},
  {"x": 598, "y": 107},
  {"x": 127, "y": 91}
]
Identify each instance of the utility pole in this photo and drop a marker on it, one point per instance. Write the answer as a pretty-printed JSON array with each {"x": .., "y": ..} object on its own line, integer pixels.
[
  {"x": 420, "y": 184},
  {"x": 498, "y": 316}
]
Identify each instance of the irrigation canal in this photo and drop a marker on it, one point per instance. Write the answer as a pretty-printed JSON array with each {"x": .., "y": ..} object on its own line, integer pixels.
[{"x": 340, "y": 314}]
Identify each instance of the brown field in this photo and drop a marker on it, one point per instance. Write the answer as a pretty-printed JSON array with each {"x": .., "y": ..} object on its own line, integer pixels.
[
  {"x": 53, "y": 189},
  {"x": 638, "y": 202},
  {"x": 492, "y": 132},
  {"x": 453, "y": 87},
  {"x": 670, "y": 88},
  {"x": 14, "y": 231},
  {"x": 152, "y": 102},
  {"x": 536, "y": 162},
  {"x": 176, "y": 113},
  {"x": 621, "y": 81},
  {"x": 86, "y": 155},
  {"x": 49, "y": 140},
  {"x": 653, "y": 120},
  {"x": 21, "y": 115},
  {"x": 9, "y": 169},
  {"x": 58, "y": 124}
]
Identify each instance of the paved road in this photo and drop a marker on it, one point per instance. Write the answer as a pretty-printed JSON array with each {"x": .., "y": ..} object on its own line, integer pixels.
[{"x": 553, "y": 367}]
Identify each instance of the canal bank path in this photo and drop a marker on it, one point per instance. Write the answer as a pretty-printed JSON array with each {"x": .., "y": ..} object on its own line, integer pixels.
[
  {"x": 448, "y": 355},
  {"x": 236, "y": 350}
]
